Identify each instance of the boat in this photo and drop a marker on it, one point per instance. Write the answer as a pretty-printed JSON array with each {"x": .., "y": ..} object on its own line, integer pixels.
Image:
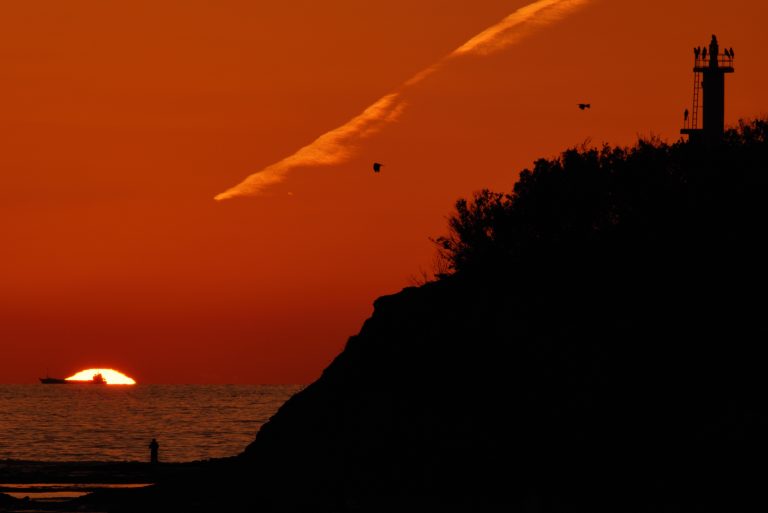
[
  {"x": 97, "y": 379},
  {"x": 53, "y": 381}
]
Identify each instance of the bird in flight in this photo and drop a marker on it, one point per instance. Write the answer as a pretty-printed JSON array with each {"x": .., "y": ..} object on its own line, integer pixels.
[
  {"x": 377, "y": 167},
  {"x": 583, "y": 106}
]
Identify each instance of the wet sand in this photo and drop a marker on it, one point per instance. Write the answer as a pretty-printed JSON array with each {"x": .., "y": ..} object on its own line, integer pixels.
[{"x": 84, "y": 486}]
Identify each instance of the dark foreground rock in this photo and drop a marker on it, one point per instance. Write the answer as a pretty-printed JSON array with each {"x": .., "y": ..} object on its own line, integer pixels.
[{"x": 464, "y": 399}]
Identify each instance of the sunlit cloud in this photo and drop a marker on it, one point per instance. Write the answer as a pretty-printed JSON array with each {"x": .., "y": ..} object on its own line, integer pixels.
[
  {"x": 517, "y": 25},
  {"x": 331, "y": 148},
  {"x": 342, "y": 144}
]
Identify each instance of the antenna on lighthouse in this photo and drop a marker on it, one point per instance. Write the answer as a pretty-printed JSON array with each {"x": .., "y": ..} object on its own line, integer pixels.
[{"x": 709, "y": 71}]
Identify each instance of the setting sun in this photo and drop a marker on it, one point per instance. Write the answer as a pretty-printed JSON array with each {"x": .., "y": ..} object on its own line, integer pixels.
[{"x": 111, "y": 376}]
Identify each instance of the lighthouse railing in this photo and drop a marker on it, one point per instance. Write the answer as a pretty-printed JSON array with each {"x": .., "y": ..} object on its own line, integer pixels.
[{"x": 723, "y": 61}]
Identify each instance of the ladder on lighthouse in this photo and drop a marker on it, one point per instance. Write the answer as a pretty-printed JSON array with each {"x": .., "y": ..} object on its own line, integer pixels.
[{"x": 696, "y": 94}]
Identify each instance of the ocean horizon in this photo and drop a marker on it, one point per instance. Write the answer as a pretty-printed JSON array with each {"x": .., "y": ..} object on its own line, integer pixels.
[{"x": 116, "y": 423}]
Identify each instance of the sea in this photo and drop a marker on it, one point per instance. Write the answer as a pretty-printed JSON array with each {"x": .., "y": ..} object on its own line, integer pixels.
[{"x": 116, "y": 423}]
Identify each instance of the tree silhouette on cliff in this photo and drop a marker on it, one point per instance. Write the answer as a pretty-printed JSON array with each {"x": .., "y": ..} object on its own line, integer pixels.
[{"x": 640, "y": 197}]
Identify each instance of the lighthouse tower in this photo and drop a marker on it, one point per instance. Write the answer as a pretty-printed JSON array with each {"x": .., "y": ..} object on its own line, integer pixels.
[{"x": 710, "y": 67}]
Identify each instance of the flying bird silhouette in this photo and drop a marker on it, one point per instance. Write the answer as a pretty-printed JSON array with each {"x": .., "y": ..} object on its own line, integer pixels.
[
  {"x": 583, "y": 106},
  {"x": 377, "y": 167}
]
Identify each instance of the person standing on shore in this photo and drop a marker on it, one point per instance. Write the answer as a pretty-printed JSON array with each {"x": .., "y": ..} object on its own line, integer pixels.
[{"x": 153, "y": 447}]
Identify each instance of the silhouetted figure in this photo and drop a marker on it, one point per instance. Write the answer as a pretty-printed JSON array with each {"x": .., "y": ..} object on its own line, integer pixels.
[
  {"x": 153, "y": 447},
  {"x": 731, "y": 50},
  {"x": 685, "y": 115},
  {"x": 583, "y": 106},
  {"x": 704, "y": 53},
  {"x": 697, "y": 52},
  {"x": 714, "y": 51},
  {"x": 377, "y": 167}
]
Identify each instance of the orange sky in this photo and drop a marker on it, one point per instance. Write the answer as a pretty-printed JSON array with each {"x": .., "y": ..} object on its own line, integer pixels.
[{"x": 121, "y": 120}]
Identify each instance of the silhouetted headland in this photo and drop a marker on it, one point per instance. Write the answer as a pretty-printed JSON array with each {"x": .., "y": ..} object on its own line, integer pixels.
[{"x": 597, "y": 343}]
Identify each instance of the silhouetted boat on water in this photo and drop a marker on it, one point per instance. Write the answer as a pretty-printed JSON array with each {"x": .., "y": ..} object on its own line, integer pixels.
[
  {"x": 97, "y": 379},
  {"x": 53, "y": 381}
]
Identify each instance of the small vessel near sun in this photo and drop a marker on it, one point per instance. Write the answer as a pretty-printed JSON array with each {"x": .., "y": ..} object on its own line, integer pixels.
[
  {"x": 97, "y": 379},
  {"x": 53, "y": 381}
]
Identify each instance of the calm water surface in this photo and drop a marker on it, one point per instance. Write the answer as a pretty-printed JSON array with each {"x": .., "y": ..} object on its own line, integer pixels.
[{"x": 116, "y": 423}]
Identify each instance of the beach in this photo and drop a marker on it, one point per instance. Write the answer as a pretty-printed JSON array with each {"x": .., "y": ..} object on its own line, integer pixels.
[{"x": 86, "y": 486}]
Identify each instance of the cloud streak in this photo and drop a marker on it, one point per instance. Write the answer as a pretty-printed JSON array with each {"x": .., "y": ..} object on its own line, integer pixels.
[{"x": 341, "y": 144}]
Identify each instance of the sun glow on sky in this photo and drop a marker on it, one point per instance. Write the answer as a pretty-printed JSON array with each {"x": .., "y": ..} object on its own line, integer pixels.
[
  {"x": 113, "y": 251},
  {"x": 111, "y": 376}
]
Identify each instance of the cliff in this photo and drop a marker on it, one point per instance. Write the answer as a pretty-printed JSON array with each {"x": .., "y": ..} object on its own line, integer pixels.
[
  {"x": 601, "y": 344},
  {"x": 459, "y": 398}
]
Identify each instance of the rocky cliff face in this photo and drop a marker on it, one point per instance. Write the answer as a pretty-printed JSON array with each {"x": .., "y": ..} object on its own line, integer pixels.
[
  {"x": 579, "y": 391},
  {"x": 409, "y": 409}
]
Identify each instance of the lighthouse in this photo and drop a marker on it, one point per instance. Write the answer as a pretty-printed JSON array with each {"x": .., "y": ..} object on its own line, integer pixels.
[{"x": 709, "y": 69}]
